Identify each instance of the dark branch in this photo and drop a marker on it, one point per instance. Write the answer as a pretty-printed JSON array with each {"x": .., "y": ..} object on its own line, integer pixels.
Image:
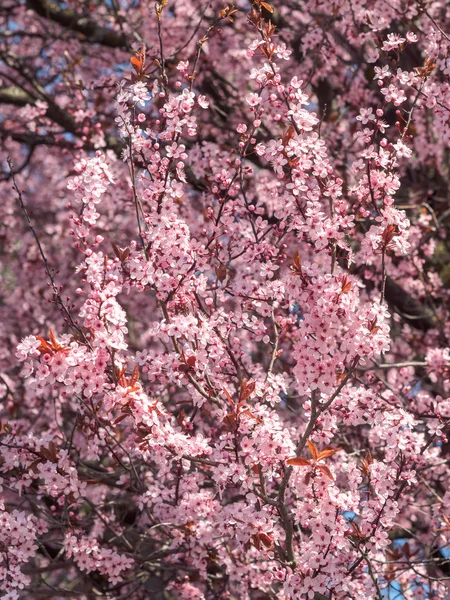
[{"x": 75, "y": 22}]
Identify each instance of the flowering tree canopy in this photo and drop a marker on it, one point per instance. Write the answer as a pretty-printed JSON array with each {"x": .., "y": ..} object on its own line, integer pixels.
[{"x": 224, "y": 357}]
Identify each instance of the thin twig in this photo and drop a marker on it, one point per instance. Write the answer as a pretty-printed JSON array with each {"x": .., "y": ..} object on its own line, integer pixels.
[{"x": 59, "y": 301}]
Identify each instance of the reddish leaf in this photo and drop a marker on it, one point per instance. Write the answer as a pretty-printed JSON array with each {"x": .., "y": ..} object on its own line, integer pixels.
[
  {"x": 347, "y": 288},
  {"x": 326, "y": 471},
  {"x": 228, "y": 12},
  {"x": 298, "y": 461},
  {"x": 34, "y": 464},
  {"x": 53, "y": 339},
  {"x": 191, "y": 361},
  {"x": 229, "y": 398},
  {"x": 71, "y": 499},
  {"x": 365, "y": 464},
  {"x": 265, "y": 539},
  {"x": 53, "y": 450},
  {"x": 4, "y": 428},
  {"x": 346, "y": 285},
  {"x": 49, "y": 453},
  {"x": 287, "y": 136},
  {"x": 267, "y": 7},
  {"x": 137, "y": 63},
  {"x": 221, "y": 272},
  {"x": 406, "y": 550},
  {"x": 296, "y": 266},
  {"x": 122, "y": 255},
  {"x": 340, "y": 376},
  {"x": 356, "y": 531},
  {"x": 120, "y": 419},
  {"x": 230, "y": 420},
  {"x": 313, "y": 449},
  {"x": 250, "y": 414},
  {"x": 180, "y": 417},
  {"x": 45, "y": 347},
  {"x": 247, "y": 390},
  {"x": 327, "y": 453},
  {"x": 135, "y": 376},
  {"x": 117, "y": 252}
]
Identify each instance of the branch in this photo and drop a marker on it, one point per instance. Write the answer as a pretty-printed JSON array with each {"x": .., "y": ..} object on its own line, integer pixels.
[
  {"x": 15, "y": 95},
  {"x": 411, "y": 310},
  {"x": 76, "y": 22},
  {"x": 59, "y": 301}
]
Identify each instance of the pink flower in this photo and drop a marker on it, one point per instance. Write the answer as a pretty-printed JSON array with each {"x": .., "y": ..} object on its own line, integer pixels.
[
  {"x": 402, "y": 149},
  {"x": 202, "y": 101},
  {"x": 365, "y": 115},
  {"x": 393, "y": 41},
  {"x": 253, "y": 99},
  {"x": 28, "y": 347}
]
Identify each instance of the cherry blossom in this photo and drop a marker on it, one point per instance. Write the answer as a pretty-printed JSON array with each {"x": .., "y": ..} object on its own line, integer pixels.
[{"x": 225, "y": 363}]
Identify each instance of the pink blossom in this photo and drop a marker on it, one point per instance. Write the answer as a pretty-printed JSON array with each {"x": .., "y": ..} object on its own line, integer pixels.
[
  {"x": 393, "y": 41},
  {"x": 224, "y": 358},
  {"x": 253, "y": 99}
]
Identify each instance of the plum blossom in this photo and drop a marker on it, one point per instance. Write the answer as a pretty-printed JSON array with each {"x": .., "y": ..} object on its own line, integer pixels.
[
  {"x": 366, "y": 115},
  {"x": 231, "y": 376},
  {"x": 393, "y": 41}
]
